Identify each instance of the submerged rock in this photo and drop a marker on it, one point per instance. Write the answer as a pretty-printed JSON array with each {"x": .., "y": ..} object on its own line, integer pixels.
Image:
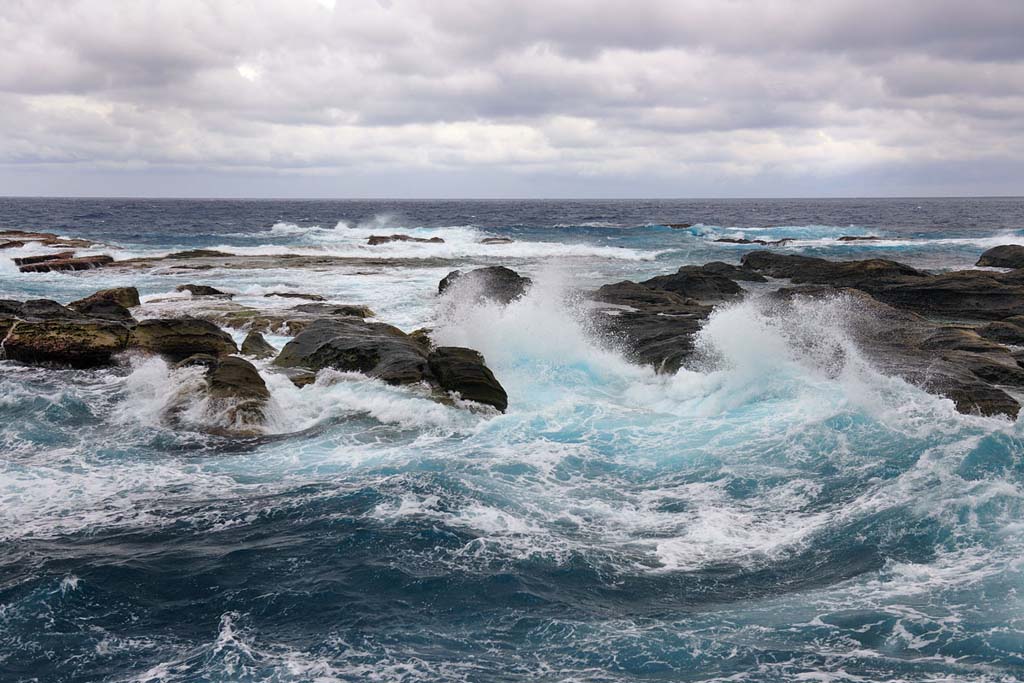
[
  {"x": 179, "y": 338},
  {"x": 496, "y": 283},
  {"x": 1004, "y": 256},
  {"x": 256, "y": 346},
  {"x": 294, "y": 295},
  {"x": 464, "y": 372}
]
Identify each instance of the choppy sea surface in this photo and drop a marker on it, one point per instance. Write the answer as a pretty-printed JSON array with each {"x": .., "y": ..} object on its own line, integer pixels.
[{"x": 755, "y": 519}]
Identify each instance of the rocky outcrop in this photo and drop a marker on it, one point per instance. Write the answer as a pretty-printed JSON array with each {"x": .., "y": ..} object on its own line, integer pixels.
[
  {"x": 43, "y": 258},
  {"x": 954, "y": 362},
  {"x": 652, "y": 326},
  {"x": 294, "y": 295},
  {"x": 179, "y": 338},
  {"x": 354, "y": 345},
  {"x": 696, "y": 282},
  {"x": 256, "y": 346},
  {"x": 1005, "y": 256},
  {"x": 128, "y": 297},
  {"x": 44, "y": 332},
  {"x": 231, "y": 392},
  {"x": 808, "y": 269},
  {"x": 495, "y": 283},
  {"x": 374, "y": 240},
  {"x": 763, "y": 243},
  {"x": 80, "y": 263},
  {"x": 859, "y": 238},
  {"x": 464, "y": 372},
  {"x": 203, "y": 290},
  {"x": 326, "y": 310},
  {"x": 388, "y": 354},
  {"x": 198, "y": 253}
]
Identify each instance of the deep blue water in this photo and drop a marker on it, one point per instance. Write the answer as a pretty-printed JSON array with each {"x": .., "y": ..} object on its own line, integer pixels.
[{"x": 753, "y": 520}]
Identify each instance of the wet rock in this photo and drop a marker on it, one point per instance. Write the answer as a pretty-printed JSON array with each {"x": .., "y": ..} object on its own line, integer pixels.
[
  {"x": 652, "y": 326},
  {"x": 43, "y": 258},
  {"x": 764, "y": 243},
  {"x": 12, "y": 244},
  {"x": 354, "y": 345},
  {"x": 128, "y": 297},
  {"x": 203, "y": 290},
  {"x": 179, "y": 338},
  {"x": 324, "y": 310},
  {"x": 496, "y": 283},
  {"x": 948, "y": 361},
  {"x": 103, "y": 309},
  {"x": 1004, "y": 256},
  {"x": 422, "y": 338},
  {"x": 1008, "y": 331},
  {"x": 198, "y": 253},
  {"x": 697, "y": 283},
  {"x": 294, "y": 295},
  {"x": 256, "y": 346},
  {"x": 679, "y": 226},
  {"x": 962, "y": 295},
  {"x": 497, "y": 240},
  {"x": 464, "y": 372},
  {"x": 81, "y": 263},
  {"x": 384, "y": 239},
  {"x": 732, "y": 272},
  {"x": 858, "y": 238},
  {"x": 807, "y": 269},
  {"x": 238, "y": 393},
  {"x": 44, "y": 332}
]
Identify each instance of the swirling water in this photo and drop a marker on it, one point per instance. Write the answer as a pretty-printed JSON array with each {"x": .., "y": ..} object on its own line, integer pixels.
[{"x": 759, "y": 516}]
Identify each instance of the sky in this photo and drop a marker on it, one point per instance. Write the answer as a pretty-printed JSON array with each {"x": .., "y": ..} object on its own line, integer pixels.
[{"x": 519, "y": 98}]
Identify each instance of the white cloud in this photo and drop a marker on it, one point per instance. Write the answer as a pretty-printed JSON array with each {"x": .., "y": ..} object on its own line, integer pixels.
[{"x": 650, "y": 94}]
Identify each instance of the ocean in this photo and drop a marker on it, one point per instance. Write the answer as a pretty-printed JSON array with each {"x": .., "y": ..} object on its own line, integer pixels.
[{"x": 751, "y": 519}]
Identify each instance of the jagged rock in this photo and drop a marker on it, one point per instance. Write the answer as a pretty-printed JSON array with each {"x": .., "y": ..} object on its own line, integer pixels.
[
  {"x": 128, "y": 297},
  {"x": 203, "y": 290},
  {"x": 384, "y": 239},
  {"x": 43, "y": 331},
  {"x": 422, "y": 337},
  {"x": 81, "y": 263},
  {"x": 463, "y": 371},
  {"x": 655, "y": 327},
  {"x": 256, "y": 346},
  {"x": 354, "y": 345},
  {"x": 496, "y": 283},
  {"x": 295, "y": 295},
  {"x": 696, "y": 283},
  {"x": 808, "y": 269},
  {"x": 43, "y": 258},
  {"x": 952, "y": 362},
  {"x": 1004, "y": 256},
  {"x": 179, "y": 338}
]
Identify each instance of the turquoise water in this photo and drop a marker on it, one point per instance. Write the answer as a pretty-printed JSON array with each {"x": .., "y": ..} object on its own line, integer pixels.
[{"x": 764, "y": 515}]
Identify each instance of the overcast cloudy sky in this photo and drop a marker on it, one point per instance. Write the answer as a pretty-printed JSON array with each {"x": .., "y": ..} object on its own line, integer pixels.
[{"x": 461, "y": 98}]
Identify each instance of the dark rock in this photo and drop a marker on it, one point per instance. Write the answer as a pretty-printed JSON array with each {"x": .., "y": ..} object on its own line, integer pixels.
[
  {"x": 128, "y": 297},
  {"x": 45, "y": 309},
  {"x": 384, "y": 239},
  {"x": 807, "y": 269},
  {"x": 63, "y": 340},
  {"x": 733, "y": 272},
  {"x": 323, "y": 309},
  {"x": 198, "y": 253},
  {"x": 764, "y": 243},
  {"x": 256, "y": 346},
  {"x": 1004, "y": 256},
  {"x": 963, "y": 295},
  {"x": 463, "y": 371},
  {"x": 497, "y": 240},
  {"x": 679, "y": 226},
  {"x": 203, "y": 290},
  {"x": 354, "y": 345},
  {"x": 295, "y": 295},
  {"x": 43, "y": 258},
  {"x": 858, "y": 238},
  {"x": 179, "y": 338},
  {"x": 656, "y": 328},
  {"x": 496, "y": 283},
  {"x": 12, "y": 244},
  {"x": 696, "y": 283},
  {"x": 952, "y": 362},
  {"x": 1004, "y": 332},
  {"x": 103, "y": 309},
  {"x": 198, "y": 359},
  {"x": 422, "y": 337},
  {"x": 81, "y": 263},
  {"x": 236, "y": 378}
]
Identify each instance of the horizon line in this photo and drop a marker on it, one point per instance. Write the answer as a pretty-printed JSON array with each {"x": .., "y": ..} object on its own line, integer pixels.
[{"x": 505, "y": 199}]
